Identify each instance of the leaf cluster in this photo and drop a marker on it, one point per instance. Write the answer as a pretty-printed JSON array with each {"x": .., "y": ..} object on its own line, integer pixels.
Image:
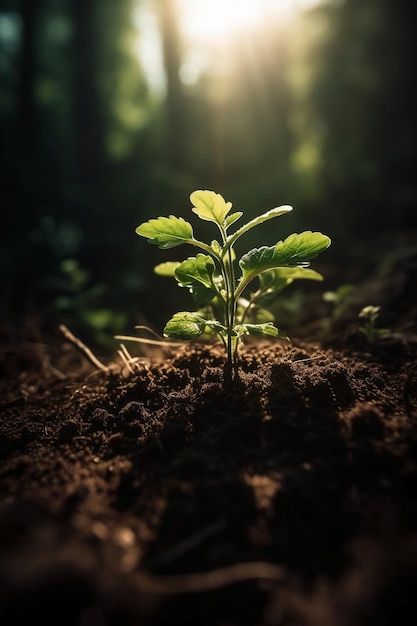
[{"x": 217, "y": 281}]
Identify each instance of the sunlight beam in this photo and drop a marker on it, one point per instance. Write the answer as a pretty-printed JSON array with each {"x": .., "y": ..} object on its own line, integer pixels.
[{"x": 209, "y": 20}]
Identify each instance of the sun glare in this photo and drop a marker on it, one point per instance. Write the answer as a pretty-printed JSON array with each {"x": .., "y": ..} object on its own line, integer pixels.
[
  {"x": 204, "y": 23},
  {"x": 215, "y": 19}
]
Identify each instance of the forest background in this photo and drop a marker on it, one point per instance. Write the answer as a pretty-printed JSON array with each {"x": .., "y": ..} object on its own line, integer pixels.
[{"x": 114, "y": 112}]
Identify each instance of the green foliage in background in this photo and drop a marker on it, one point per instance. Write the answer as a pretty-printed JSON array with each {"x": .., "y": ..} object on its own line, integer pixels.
[{"x": 318, "y": 109}]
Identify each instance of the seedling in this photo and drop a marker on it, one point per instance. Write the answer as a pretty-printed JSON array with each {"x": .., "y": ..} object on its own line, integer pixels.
[
  {"x": 370, "y": 315},
  {"x": 217, "y": 282},
  {"x": 339, "y": 299}
]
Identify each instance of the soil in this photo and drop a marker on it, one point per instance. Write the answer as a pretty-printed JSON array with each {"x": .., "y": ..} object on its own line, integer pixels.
[{"x": 151, "y": 495}]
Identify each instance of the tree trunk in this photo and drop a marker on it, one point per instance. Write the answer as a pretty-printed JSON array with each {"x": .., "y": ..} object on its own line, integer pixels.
[
  {"x": 175, "y": 99},
  {"x": 88, "y": 128},
  {"x": 25, "y": 119}
]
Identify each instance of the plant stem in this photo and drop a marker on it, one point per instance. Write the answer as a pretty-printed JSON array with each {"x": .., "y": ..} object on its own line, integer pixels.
[{"x": 233, "y": 342}]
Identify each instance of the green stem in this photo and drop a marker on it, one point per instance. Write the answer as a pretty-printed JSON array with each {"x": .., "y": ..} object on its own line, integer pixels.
[
  {"x": 230, "y": 308},
  {"x": 205, "y": 247}
]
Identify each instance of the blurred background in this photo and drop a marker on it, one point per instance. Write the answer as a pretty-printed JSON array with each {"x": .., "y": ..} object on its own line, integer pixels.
[{"x": 112, "y": 112}]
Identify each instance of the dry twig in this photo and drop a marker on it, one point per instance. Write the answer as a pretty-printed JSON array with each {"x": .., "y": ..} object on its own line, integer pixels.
[{"x": 83, "y": 348}]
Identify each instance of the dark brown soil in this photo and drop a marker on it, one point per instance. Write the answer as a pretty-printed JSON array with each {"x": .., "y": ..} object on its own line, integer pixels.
[{"x": 158, "y": 497}]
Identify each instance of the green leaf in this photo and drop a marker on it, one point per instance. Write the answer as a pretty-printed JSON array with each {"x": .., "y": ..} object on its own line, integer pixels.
[
  {"x": 216, "y": 248},
  {"x": 269, "y": 278},
  {"x": 166, "y": 232},
  {"x": 300, "y": 247},
  {"x": 269, "y": 215},
  {"x": 210, "y": 206},
  {"x": 190, "y": 325},
  {"x": 196, "y": 274},
  {"x": 185, "y": 325},
  {"x": 260, "y": 329},
  {"x": 166, "y": 269},
  {"x": 295, "y": 250},
  {"x": 232, "y": 218}
]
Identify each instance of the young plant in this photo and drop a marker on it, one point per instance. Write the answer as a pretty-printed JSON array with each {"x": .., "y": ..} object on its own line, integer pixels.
[
  {"x": 339, "y": 299},
  {"x": 218, "y": 283},
  {"x": 370, "y": 315}
]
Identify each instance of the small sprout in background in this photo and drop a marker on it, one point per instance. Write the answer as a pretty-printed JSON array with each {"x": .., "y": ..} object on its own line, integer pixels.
[
  {"x": 218, "y": 282},
  {"x": 339, "y": 299},
  {"x": 370, "y": 315}
]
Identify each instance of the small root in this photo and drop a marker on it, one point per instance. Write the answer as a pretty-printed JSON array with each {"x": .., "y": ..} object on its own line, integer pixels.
[
  {"x": 83, "y": 348},
  {"x": 207, "y": 581}
]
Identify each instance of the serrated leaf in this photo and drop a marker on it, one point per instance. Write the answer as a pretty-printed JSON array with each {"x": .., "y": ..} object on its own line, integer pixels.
[
  {"x": 185, "y": 325},
  {"x": 196, "y": 274},
  {"x": 232, "y": 218},
  {"x": 297, "y": 249},
  {"x": 269, "y": 215},
  {"x": 166, "y": 269},
  {"x": 210, "y": 206},
  {"x": 216, "y": 247},
  {"x": 303, "y": 246},
  {"x": 166, "y": 232},
  {"x": 190, "y": 325}
]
